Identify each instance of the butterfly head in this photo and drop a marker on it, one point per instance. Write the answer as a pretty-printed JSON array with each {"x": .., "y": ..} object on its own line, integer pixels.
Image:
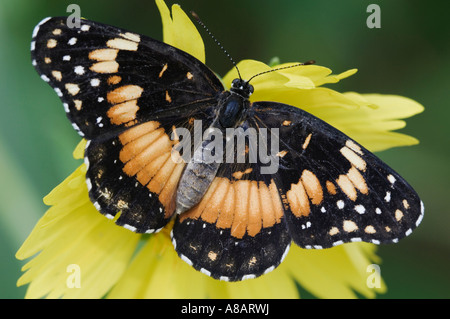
[{"x": 241, "y": 87}]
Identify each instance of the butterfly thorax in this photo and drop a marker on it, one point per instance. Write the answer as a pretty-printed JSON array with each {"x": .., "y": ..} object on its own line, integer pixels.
[{"x": 234, "y": 106}]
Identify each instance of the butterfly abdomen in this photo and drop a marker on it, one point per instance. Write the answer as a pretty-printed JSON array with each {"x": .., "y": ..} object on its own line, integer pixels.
[{"x": 196, "y": 179}]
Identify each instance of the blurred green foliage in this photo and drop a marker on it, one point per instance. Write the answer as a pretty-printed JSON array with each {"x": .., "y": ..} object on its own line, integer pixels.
[{"x": 408, "y": 55}]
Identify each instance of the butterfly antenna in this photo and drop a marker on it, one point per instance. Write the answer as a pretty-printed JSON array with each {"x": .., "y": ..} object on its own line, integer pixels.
[
  {"x": 282, "y": 68},
  {"x": 197, "y": 18}
]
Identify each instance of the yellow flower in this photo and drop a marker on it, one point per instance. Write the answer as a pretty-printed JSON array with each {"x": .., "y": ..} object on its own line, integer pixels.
[{"x": 78, "y": 253}]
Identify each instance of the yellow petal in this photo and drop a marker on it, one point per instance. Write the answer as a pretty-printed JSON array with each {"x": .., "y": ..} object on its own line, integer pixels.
[
  {"x": 249, "y": 68},
  {"x": 180, "y": 32},
  {"x": 390, "y": 106},
  {"x": 335, "y": 272},
  {"x": 335, "y": 78},
  {"x": 73, "y": 232},
  {"x": 277, "y": 284},
  {"x": 78, "y": 153},
  {"x": 318, "y": 75},
  {"x": 158, "y": 272},
  {"x": 372, "y": 124}
]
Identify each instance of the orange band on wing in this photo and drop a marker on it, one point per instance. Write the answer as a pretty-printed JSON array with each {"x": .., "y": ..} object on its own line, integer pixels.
[
  {"x": 146, "y": 154},
  {"x": 242, "y": 206}
]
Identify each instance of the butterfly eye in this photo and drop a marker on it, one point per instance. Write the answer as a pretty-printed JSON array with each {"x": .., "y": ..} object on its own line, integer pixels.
[
  {"x": 250, "y": 89},
  {"x": 235, "y": 83}
]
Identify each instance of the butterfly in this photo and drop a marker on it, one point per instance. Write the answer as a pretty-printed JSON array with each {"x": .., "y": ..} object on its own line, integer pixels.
[{"x": 128, "y": 94}]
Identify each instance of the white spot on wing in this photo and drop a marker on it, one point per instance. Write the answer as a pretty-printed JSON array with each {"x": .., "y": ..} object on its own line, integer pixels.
[
  {"x": 95, "y": 82},
  {"x": 387, "y": 198},
  {"x": 45, "y": 78},
  {"x": 337, "y": 243},
  {"x": 285, "y": 253},
  {"x": 391, "y": 178},
  {"x": 129, "y": 227},
  {"x": 271, "y": 268},
  {"x": 206, "y": 272},
  {"x": 88, "y": 183},
  {"x": 250, "y": 276},
  {"x": 360, "y": 209},
  {"x": 36, "y": 28},
  {"x": 187, "y": 260},
  {"x": 97, "y": 206},
  {"x": 72, "y": 41},
  {"x": 79, "y": 70},
  {"x": 76, "y": 128},
  {"x": 58, "y": 92}
]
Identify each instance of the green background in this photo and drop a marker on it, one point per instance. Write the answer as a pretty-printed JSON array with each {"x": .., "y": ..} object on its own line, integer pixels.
[{"x": 408, "y": 56}]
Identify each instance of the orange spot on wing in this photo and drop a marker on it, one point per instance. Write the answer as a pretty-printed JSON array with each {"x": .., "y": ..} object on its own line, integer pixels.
[
  {"x": 115, "y": 79},
  {"x": 347, "y": 187},
  {"x": 240, "y": 221},
  {"x": 161, "y": 146},
  {"x": 105, "y": 67},
  {"x": 123, "y": 113},
  {"x": 331, "y": 188},
  {"x": 145, "y": 175},
  {"x": 226, "y": 215},
  {"x": 124, "y": 93},
  {"x": 214, "y": 207},
  {"x": 307, "y": 140},
  {"x": 254, "y": 210},
  {"x": 103, "y": 54},
  {"x": 298, "y": 200},
  {"x": 239, "y": 174},
  {"x": 137, "y": 146},
  {"x": 358, "y": 180},
  {"x": 167, "y": 195},
  {"x": 276, "y": 200},
  {"x": 162, "y": 71},
  {"x": 137, "y": 131},
  {"x": 266, "y": 202},
  {"x": 162, "y": 176},
  {"x": 312, "y": 187}
]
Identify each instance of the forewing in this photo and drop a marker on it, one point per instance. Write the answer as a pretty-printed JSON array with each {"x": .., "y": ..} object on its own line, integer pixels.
[
  {"x": 110, "y": 79},
  {"x": 334, "y": 190},
  {"x": 125, "y": 93}
]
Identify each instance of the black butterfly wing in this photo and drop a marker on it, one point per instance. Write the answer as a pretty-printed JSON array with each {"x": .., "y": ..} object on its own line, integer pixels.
[
  {"x": 238, "y": 229},
  {"x": 334, "y": 190},
  {"x": 125, "y": 93}
]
